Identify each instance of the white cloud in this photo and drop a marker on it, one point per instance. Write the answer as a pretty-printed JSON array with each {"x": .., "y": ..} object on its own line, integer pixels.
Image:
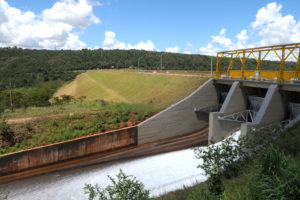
[
  {"x": 221, "y": 39},
  {"x": 190, "y": 49},
  {"x": 269, "y": 28},
  {"x": 52, "y": 28},
  {"x": 172, "y": 49},
  {"x": 273, "y": 28},
  {"x": 209, "y": 50},
  {"x": 242, "y": 36},
  {"x": 111, "y": 42},
  {"x": 267, "y": 14},
  {"x": 71, "y": 12}
]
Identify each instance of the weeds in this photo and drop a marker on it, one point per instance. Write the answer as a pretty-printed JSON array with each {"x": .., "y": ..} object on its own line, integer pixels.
[{"x": 71, "y": 125}]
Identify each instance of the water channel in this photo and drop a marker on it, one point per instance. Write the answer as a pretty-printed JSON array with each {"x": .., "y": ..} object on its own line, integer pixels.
[{"x": 160, "y": 174}]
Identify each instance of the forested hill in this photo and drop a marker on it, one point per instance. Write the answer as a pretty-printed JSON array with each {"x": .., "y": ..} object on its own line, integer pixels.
[{"x": 25, "y": 67}]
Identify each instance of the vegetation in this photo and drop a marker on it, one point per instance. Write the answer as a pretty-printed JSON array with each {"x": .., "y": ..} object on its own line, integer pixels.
[
  {"x": 95, "y": 116},
  {"x": 28, "y": 96},
  {"x": 125, "y": 187},
  {"x": 159, "y": 89},
  {"x": 27, "y": 68},
  {"x": 269, "y": 168},
  {"x": 218, "y": 161}
]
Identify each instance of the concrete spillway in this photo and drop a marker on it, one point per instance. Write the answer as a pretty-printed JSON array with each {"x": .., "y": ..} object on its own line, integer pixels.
[
  {"x": 159, "y": 173},
  {"x": 223, "y": 105}
]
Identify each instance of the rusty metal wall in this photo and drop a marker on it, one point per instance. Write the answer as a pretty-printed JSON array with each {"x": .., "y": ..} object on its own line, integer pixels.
[{"x": 63, "y": 151}]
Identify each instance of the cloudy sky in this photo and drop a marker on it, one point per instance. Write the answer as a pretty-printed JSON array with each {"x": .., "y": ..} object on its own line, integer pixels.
[{"x": 191, "y": 26}]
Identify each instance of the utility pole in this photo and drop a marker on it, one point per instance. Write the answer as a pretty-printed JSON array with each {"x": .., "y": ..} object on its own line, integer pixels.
[
  {"x": 139, "y": 63},
  {"x": 161, "y": 62},
  {"x": 10, "y": 95},
  {"x": 210, "y": 66}
]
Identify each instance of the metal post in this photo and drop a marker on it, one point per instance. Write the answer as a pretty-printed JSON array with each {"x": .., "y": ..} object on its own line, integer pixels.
[
  {"x": 217, "y": 66},
  {"x": 298, "y": 64},
  {"x": 259, "y": 61},
  {"x": 243, "y": 65},
  {"x": 230, "y": 64},
  {"x": 282, "y": 63}
]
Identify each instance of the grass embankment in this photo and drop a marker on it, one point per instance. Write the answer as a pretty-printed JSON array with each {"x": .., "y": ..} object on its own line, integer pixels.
[
  {"x": 271, "y": 172},
  {"x": 160, "y": 90},
  {"x": 141, "y": 95},
  {"x": 95, "y": 116}
]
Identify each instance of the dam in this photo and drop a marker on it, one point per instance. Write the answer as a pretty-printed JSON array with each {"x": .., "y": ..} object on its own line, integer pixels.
[{"x": 233, "y": 100}]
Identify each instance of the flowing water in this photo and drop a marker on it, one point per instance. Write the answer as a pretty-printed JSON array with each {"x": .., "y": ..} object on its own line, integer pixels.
[{"x": 160, "y": 174}]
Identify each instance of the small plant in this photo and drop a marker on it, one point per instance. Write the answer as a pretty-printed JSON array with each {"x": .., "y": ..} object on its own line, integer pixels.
[
  {"x": 54, "y": 123},
  {"x": 125, "y": 187},
  {"x": 219, "y": 160},
  {"x": 125, "y": 124},
  {"x": 28, "y": 127},
  {"x": 103, "y": 103},
  {"x": 79, "y": 126},
  {"x": 68, "y": 133},
  {"x": 6, "y": 133}
]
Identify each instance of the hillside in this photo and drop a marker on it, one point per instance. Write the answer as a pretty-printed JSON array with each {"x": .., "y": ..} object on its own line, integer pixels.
[
  {"x": 112, "y": 85},
  {"x": 30, "y": 67}
]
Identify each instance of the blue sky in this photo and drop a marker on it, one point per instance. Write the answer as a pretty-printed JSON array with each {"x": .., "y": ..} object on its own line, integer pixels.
[{"x": 189, "y": 26}]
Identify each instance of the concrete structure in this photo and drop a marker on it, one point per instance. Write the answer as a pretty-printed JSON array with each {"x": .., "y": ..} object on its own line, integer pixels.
[
  {"x": 271, "y": 111},
  {"x": 179, "y": 118},
  {"x": 224, "y": 105},
  {"x": 253, "y": 104},
  {"x": 67, "y": 150},
  {"x": 235, "y": 102},
  {"x": 230, "y": 105}
]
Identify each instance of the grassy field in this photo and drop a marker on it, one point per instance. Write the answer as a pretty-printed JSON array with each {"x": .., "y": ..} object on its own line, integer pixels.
[{"x": 160, "y": 90}]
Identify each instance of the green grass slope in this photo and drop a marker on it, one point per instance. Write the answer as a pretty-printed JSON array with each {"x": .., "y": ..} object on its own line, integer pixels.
[{"x": 111, "y": 85}]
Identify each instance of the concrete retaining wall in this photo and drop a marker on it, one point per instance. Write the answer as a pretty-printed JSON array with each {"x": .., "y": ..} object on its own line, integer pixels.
[
  {"x": 235, "y": 101},
  {"x": 63, "y": 151},
  {"x": 272, "y": 110},
  {"x": 180, "y": 118}
]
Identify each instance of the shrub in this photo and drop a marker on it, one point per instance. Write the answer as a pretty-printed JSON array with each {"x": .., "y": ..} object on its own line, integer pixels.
[
  {"x": 6, "y": 133},
  {"x": 28, "y": 127},
  {"x": 54, "y": 123},
  {"x": 275, "y": 177},
  {"x": 220, "y": 157},
  {"x": 219, "y": 160},
  {"x": 68, "y": 133},
  {"x": 125, "y": 187}
]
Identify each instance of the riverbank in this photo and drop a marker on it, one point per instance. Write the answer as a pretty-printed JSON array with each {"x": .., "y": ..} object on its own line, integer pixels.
[{"x": 281, "y": 157}]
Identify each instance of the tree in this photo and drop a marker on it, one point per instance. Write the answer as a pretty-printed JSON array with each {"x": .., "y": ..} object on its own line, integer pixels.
[
  {"x": 127, "y": 187},
  {"x": 6, "y": 133},
  {"x": 219, "y": 160}
]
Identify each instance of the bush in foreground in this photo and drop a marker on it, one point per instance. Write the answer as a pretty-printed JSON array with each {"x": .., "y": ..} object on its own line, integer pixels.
[{"x": 125, "y": 187}]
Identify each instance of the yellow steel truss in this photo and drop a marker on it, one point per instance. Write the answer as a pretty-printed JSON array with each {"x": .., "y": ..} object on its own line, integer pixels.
[{"x": 244, "y": 54}]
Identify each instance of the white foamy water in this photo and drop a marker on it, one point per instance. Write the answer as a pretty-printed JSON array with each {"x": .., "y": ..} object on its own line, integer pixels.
[{"x": 160, "y": 174}]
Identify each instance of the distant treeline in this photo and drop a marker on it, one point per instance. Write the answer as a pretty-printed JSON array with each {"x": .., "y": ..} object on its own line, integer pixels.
[
  {"x": 35, "y": 75},
  {"x": 26, "y": 68},
  {"x": 28, "y": 96}
]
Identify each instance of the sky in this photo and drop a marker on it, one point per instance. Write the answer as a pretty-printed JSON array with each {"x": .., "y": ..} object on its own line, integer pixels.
[{"x": 190, "y": 26}]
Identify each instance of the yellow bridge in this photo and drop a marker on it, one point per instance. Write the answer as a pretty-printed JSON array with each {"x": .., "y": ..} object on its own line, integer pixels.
[{"x": 283, "y": 53}]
